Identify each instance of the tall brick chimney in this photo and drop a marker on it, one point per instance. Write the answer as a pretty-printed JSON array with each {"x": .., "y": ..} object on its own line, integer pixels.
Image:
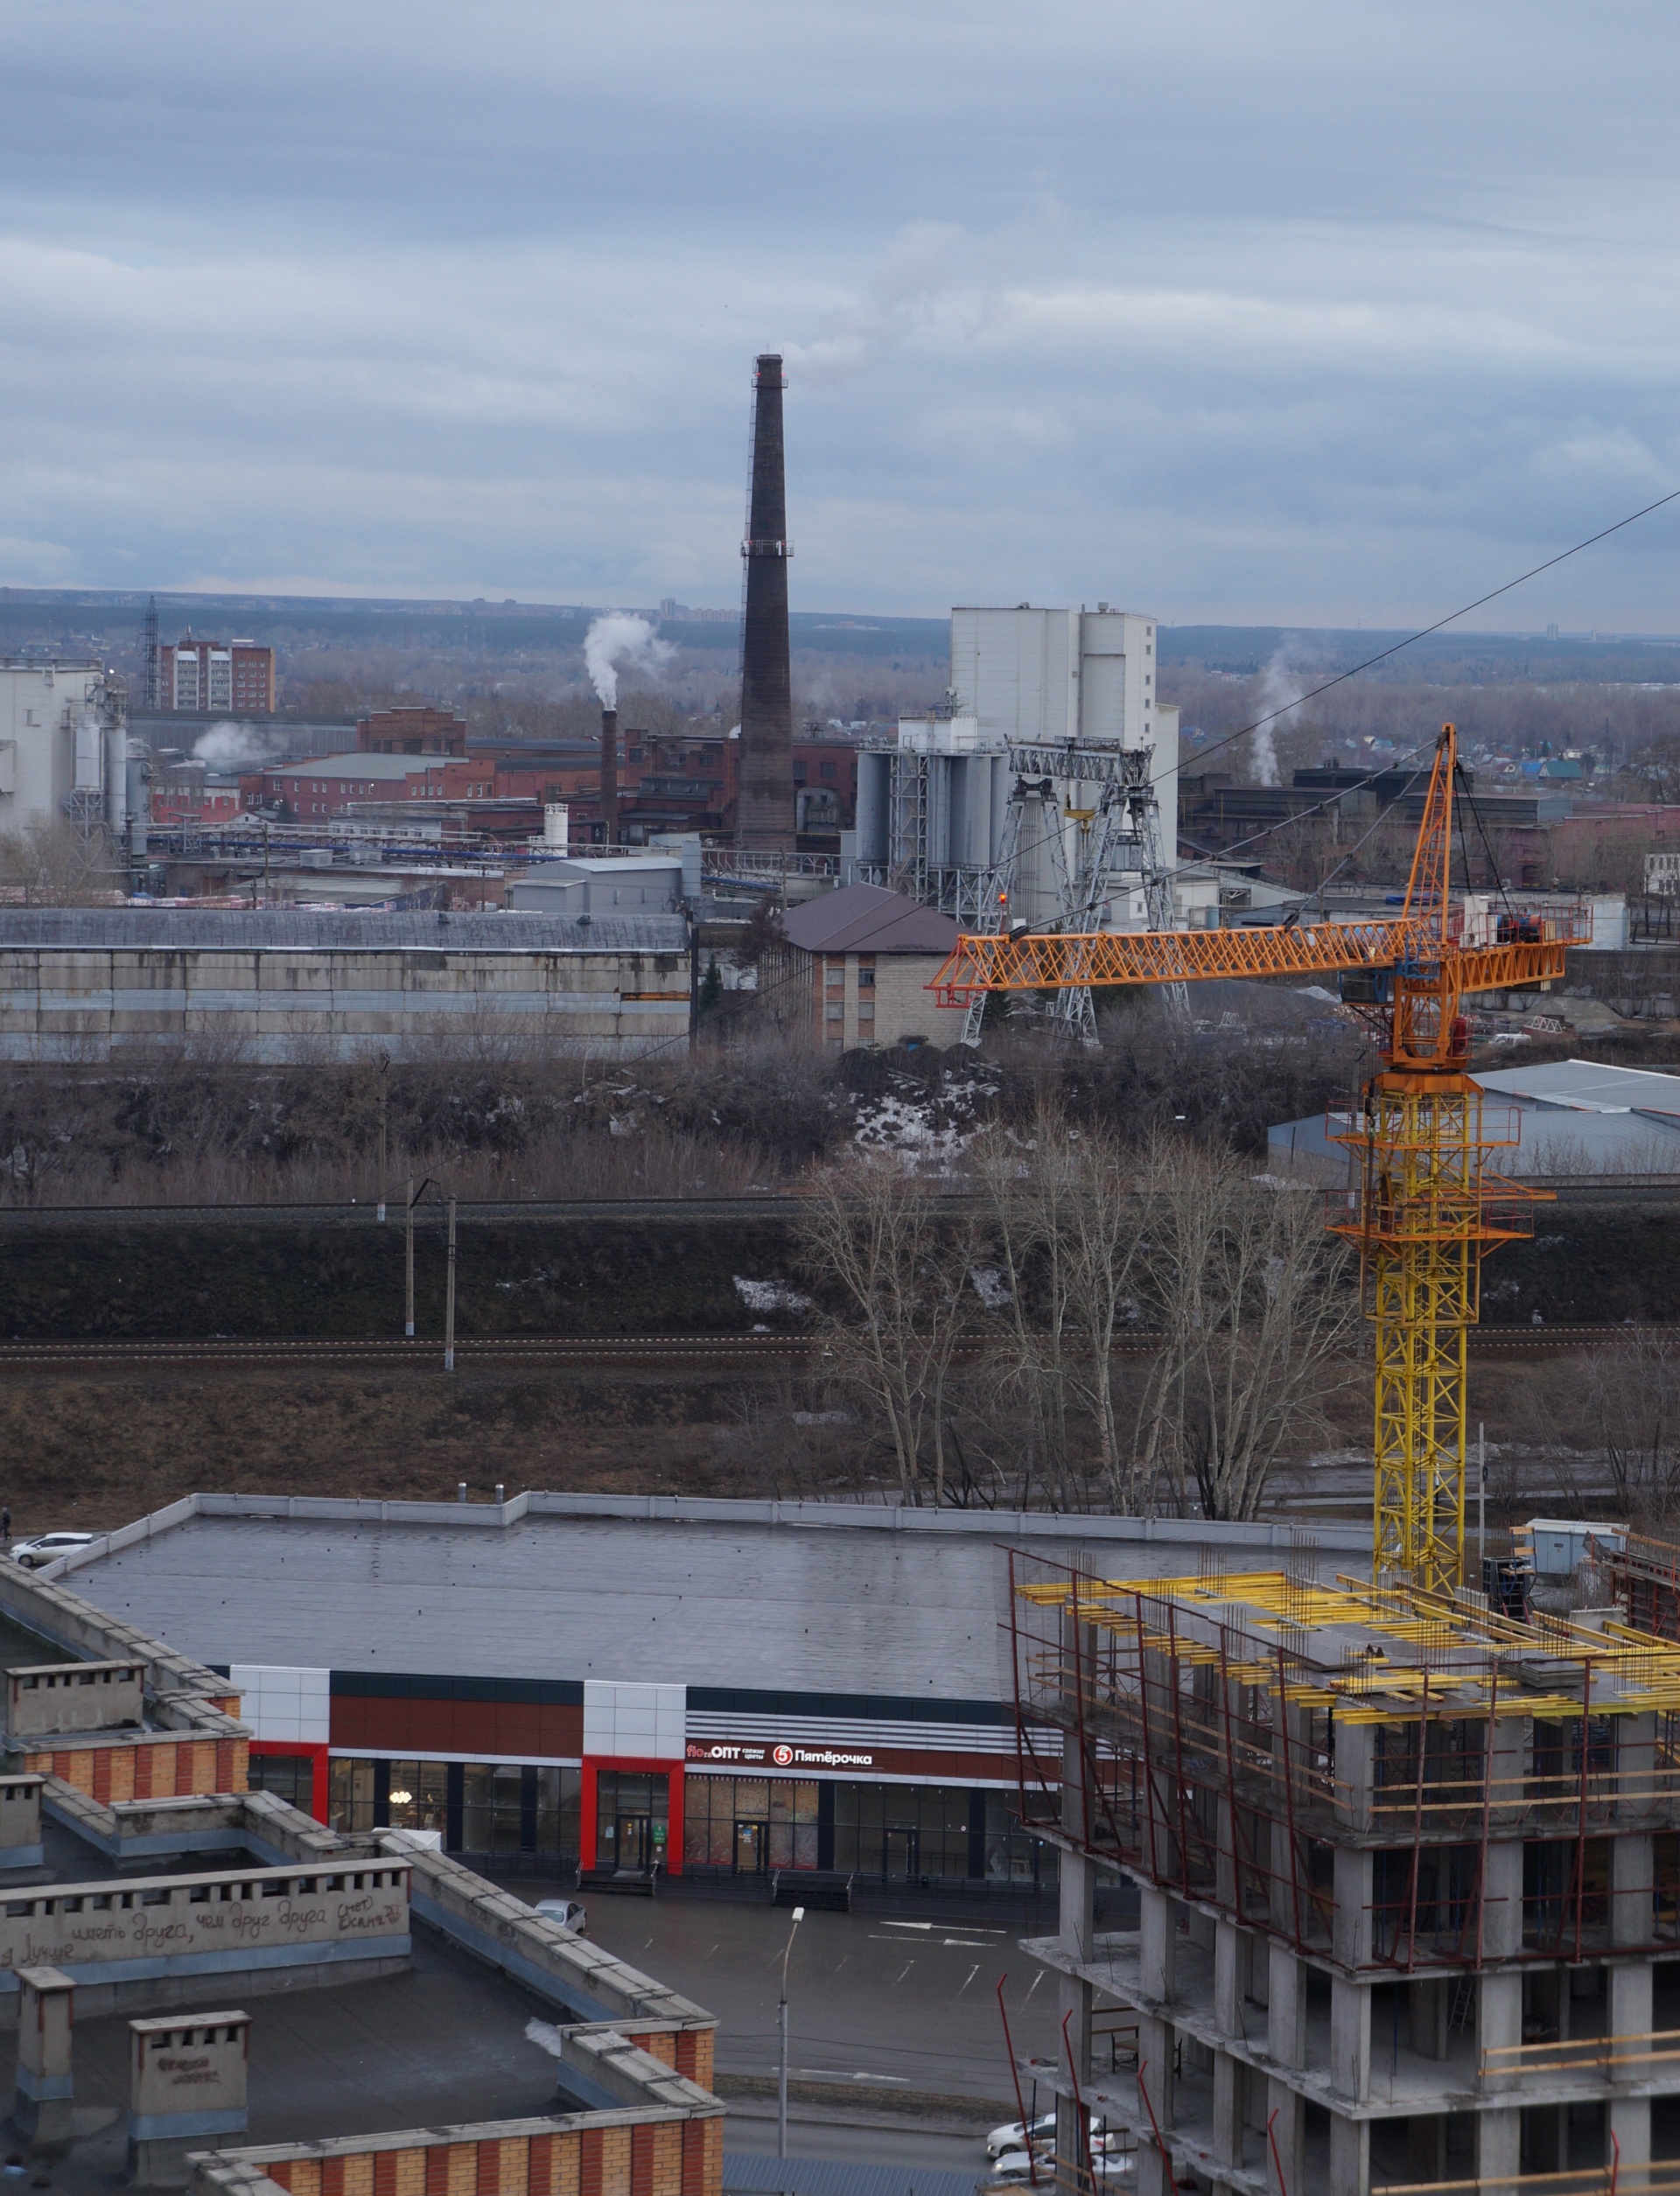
[
  {"x": 764, "y": 806},
  {"x": 609, "y": 777}
]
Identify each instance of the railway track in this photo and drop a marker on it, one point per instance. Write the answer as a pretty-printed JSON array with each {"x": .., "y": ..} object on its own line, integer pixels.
[{"x": 642, "y": 1351}]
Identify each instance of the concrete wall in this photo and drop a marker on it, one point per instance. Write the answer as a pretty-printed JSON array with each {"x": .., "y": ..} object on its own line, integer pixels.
[
  {"x": 95, "y": 1003},
  {"x": 152, "y": 1929},
  {"x": 66, "y": 1696}
]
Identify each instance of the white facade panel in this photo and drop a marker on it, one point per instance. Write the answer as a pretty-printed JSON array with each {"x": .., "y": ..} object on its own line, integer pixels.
[
  {"x": 284, "y": 1703},
  {"x": 634, "y": 1722}
]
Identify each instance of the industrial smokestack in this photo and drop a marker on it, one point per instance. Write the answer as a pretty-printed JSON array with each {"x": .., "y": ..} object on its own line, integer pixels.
[
  {"x": 609, "y": 777},
  {"x": 764, "y": 806}
]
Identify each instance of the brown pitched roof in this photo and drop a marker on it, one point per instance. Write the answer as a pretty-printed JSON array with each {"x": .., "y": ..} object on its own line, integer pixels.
[{"x": 868, "y": 919}]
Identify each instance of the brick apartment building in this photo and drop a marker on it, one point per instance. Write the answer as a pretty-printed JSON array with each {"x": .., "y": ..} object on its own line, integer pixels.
[{"x": 202, "y": 677}]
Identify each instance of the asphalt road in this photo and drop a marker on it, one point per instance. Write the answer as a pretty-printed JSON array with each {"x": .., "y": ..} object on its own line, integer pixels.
[{"x": 875, "y": 2005}]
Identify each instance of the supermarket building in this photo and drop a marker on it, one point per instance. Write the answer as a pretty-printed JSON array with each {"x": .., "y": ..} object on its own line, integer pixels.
[{"x": 722, "y": 1689}]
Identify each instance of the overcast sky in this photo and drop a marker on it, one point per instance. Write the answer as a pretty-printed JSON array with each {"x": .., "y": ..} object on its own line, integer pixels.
[{"x": 1298, "y": 313}]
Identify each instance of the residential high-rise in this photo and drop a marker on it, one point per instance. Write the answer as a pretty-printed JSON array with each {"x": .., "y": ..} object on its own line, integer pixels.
[{"x": 204, "y": 676}]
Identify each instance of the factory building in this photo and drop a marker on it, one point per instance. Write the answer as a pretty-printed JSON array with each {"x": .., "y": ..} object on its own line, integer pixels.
[
  {"x": 298, "y": 984},
  {"x": 725, "y": 1687},
  {"x": 1017, "y": 785},
  {"x": 65, "y": 750}
]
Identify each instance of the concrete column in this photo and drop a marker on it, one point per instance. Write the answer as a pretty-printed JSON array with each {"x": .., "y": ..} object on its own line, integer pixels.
[
  {"x": 1350, "y": 2156},
  {"x": 1350, "y": 2039},
  {"x": 1631, "y": 1886},
  {"x": 1355, "y": 1756},
  {"x": 1501, "y": 1900},
  {"x": 1499, "y": 2147},
  {"x": 1499, "y": 2025},
  {"x": 1154, "y": 2082},
  {"x": 1286, "y": 2013},
  {"x": 1628, "y": 2006},
  {"x": 1627, "y": 2012},
  {"x": 1158, "y": 1941},
  {"x": 1228, "y": 2109},
  {"x": 1286, "y": 2113},
  {"x": 45, "y": 2031},
  {"x": 1630, "y": 2121},
  {"x": 1351, "y": 1933},
  {"x": 1075, "y": 1927},
  {"x": 1233, "y": 1952}
]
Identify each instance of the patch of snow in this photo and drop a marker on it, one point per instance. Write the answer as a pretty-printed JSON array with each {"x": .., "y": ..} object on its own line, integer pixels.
[
  {"x": 989, "y": 1287},
  {"x": 770, "y": 1296}
]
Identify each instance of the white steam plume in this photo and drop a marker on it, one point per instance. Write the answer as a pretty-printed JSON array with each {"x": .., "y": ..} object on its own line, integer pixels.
[
  {"x": 619, "y": 639},
  {"x": 1281, "y": 688},
  {"x": 230, "y": 746}
]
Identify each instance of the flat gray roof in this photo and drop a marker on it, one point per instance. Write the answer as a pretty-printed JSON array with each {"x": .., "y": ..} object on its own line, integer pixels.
[
  {"x": 233, "y": 930},
  {"x": 804, "y": 1596}
]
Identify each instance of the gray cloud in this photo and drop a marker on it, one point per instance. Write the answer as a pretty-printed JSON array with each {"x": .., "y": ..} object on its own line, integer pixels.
[{"x": 1290, "y": 313}]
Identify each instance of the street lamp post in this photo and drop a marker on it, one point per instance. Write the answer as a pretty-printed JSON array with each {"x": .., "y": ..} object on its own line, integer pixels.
[{"x": 781, "y": 2034}]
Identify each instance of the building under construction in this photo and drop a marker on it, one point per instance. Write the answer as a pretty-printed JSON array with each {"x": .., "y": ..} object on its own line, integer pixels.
[{"x": 1409, "y": 1884}]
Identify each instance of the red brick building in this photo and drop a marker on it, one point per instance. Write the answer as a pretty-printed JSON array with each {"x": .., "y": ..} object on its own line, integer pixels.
[
  {"x": 417, "y": 731},
  {"x": 203, "y": 676}
]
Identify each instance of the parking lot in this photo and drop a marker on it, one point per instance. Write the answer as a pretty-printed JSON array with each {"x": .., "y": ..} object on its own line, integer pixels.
[{"x": 885, "y": 2015}]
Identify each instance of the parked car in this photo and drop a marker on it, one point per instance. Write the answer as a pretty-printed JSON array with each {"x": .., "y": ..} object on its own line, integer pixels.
[
  {"x": 47, "y": 1547},
  {"x": 1014, "y": 2135},
  {"x": 567, "y": 1912}
]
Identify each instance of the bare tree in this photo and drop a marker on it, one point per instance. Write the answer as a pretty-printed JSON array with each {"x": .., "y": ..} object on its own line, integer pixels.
[
  {"x": 1633, "y": 1387},
  {"x": 1068, "y": 1227},
  {"x": 50, "y": 863},
  {"x": 1258, "y": 1308},
  {"x": 896, "y": 1258}
]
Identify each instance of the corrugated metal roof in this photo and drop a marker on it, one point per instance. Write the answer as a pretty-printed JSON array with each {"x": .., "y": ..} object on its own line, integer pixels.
[
  {"x": 308, "y": 930},
  {"x": 796, "y": 1606},
  {"x": 1589, "y": 1086}
]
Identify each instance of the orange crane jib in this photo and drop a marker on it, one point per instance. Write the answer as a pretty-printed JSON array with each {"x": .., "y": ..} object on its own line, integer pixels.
[
  {"x": 1532, "y": 950},
  {"x": 1418, "y": 1202}
]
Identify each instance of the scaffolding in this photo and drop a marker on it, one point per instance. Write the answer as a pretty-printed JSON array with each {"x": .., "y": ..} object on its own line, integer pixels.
[{"x": 1364, "y": 1810}]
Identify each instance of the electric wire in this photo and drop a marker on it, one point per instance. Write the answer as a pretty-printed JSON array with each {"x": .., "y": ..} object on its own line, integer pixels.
[{"x": 1452, "y": 618}]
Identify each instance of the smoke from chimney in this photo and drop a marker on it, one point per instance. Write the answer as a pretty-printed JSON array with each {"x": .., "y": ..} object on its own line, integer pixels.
[
  {"x": 609, "y": 777},
  {"x": 764, "y": 807}
]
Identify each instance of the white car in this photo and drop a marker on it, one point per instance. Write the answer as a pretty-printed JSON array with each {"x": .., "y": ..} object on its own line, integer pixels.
[
  {"x": 47, "y": 1549},
  {"x": 567, "y": 1912},
  {"x": 1013, "y": 2137}
]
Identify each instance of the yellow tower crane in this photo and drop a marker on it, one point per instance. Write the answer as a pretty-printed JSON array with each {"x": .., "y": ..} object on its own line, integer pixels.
[{"x": 1426, "y": 1205}]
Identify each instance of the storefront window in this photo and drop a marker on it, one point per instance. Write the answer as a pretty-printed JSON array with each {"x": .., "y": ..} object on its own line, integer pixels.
[
  {"x": 901, "y": 1832},
  {"x": 290, "y": 1777},
  {"x": 632, "y": 1814},
  {"x": 352, "y": 1789},
  {"x": 419, "y": 1796},
  {"x": 479, "y": 1808},
  {"x": 1013, "y": 1855},
  {"x": 491, "y": 1808},
  {"x": 750, "y": 1825}
]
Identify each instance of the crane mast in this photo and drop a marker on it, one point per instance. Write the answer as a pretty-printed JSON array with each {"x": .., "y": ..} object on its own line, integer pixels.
[{"x": 1426, "y": 1206}]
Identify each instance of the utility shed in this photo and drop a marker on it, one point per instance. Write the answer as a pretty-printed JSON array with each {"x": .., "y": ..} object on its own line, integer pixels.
[{"x": 280, "y": 985}]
